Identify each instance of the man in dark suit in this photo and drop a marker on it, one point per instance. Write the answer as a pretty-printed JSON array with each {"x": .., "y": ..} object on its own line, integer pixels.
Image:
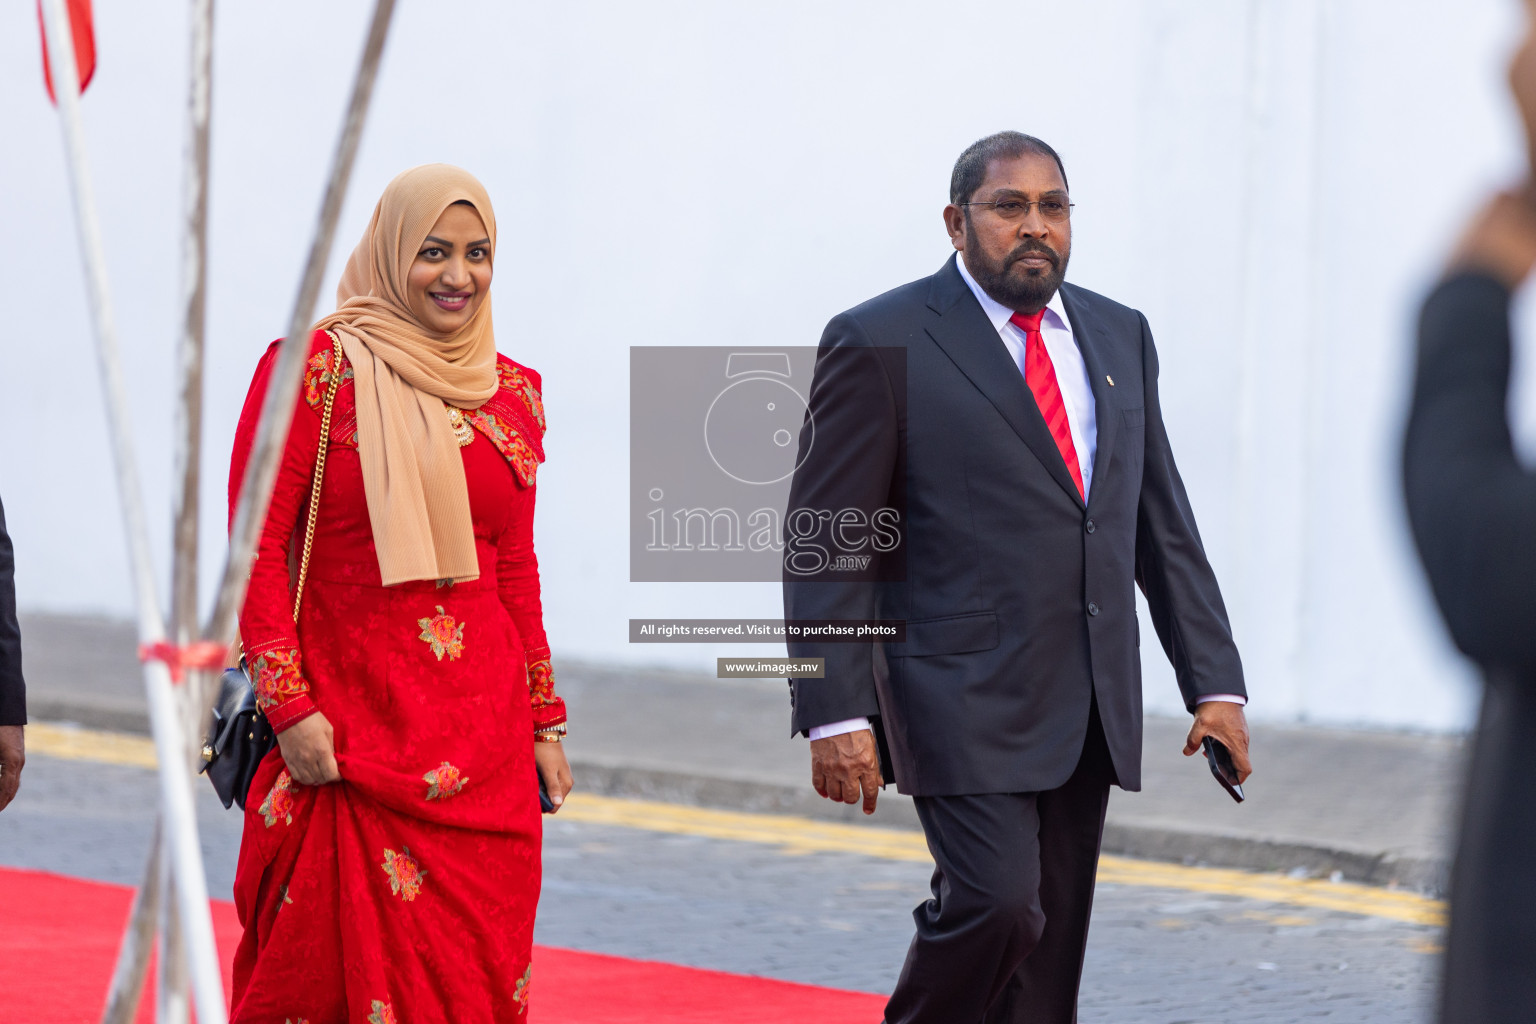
[
  {"x": 1473, "y": 509},
  {"x": 13, "y": 691},
  {"x": 1472, "y": 504},
  {"x": 1012, "y": 423}
]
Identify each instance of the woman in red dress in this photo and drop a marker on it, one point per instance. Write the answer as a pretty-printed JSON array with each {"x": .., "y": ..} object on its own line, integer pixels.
[{"x": 390, "y": 865}]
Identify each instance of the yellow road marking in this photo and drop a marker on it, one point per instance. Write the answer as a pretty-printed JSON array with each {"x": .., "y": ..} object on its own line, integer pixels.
[
  {"x": 90, "y": 745},
  {"x": 1349, "y": 897},
  {"x": 792, "y": 835},
  {"x": 802, "y": 836},
  {"x": 799, "y": 836}
]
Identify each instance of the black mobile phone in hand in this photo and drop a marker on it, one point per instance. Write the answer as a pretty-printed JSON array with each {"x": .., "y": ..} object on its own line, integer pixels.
[
  {"x": 1220, "y": 759},
  {"x": 546, "y": 805}
]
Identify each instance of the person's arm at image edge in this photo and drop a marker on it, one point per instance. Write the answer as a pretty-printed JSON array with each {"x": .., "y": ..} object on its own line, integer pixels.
[
  {"x": 1471, "y": 503},
  {"x": 13, "y": 692}
]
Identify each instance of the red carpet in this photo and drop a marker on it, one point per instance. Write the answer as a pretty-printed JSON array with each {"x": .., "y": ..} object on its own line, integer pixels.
[{"x": 59, "y": 939}]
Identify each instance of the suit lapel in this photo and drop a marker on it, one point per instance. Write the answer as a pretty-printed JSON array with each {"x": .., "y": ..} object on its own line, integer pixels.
[
  {"x": 1093, "y": 341},
  {"x": 965, "y": 334}
]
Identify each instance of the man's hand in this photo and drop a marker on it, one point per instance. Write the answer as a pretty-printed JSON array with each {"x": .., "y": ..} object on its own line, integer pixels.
[
  {"x": 309, "y": 751},
  {"x": 842, "y": 765},
  {"x": 1522, "y": 85},
  {"x": 13, "y": 754},
  {"x": 1501, "y": 239},
  {"x": 1222, "y": 720},
  {"x": 553, "y": 768}
]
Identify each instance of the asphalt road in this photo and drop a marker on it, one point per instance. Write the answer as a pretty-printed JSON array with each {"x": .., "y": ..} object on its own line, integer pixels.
[{"x": 1156, "y": 955}]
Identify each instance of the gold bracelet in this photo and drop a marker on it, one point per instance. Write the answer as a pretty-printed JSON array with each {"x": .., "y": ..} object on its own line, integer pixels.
[{"x": 547, "y": 737}]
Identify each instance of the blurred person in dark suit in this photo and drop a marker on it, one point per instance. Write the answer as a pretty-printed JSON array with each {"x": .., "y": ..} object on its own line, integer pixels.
[
  {"x": 1472, "y": 506},
  {"x": 13, "y": 690},
  {"x": 1014, "y": 422}
]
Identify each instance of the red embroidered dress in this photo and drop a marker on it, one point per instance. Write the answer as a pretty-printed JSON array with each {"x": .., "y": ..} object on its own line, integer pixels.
[{"x": 406, "y": 892}]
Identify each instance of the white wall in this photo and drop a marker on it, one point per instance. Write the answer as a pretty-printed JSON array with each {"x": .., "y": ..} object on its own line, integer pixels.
[{"x": 1271, "y": 181}]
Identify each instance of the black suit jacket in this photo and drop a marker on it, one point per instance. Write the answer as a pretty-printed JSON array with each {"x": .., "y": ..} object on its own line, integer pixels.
[
  {"x": 1473, "y": 510},
  {"x": 1019, "y": 601},
  {"x": 13, "y": 691}
]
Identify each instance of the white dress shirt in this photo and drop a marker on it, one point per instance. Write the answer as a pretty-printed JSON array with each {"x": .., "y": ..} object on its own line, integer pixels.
[{"x": 1076, "y": 395}]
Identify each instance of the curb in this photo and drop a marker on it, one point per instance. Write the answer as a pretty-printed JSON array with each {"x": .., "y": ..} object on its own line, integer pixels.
[
  {"x": 89, "y": 714},
  {"x": 606, "y": 779},
  {"x": 1426, "y": 875}
]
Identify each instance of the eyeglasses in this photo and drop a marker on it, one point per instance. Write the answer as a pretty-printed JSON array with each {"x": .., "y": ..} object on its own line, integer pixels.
[{"x": 1018, "y": 209}]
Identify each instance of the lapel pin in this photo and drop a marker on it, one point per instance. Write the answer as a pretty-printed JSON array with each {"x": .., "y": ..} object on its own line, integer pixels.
[{"x": 1110, "y": 379}]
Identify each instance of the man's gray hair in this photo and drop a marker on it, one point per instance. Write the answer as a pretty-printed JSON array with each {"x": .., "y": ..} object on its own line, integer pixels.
[{"x": 971, "y": 168}]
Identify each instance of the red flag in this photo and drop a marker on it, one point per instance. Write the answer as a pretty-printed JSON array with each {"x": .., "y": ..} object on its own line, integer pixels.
[{"x": 85, "y": 43}]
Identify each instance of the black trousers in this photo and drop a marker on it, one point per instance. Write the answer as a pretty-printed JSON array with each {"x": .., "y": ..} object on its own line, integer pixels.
[{"x": 1002, "y": 939}]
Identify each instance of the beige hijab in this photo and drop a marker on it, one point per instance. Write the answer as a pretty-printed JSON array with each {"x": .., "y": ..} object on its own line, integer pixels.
[{"x": 413, "y": 475}]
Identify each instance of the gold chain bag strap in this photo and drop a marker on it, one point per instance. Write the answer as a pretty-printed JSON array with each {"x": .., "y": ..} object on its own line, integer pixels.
[
  {"x": 240, "y": 735},
  {"x": 314, "y": 490}
]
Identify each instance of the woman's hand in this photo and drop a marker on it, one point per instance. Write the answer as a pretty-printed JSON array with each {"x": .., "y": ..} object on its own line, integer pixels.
[
  {"x": 549, "y": 758},
  {"x": 309, "y": 751}
]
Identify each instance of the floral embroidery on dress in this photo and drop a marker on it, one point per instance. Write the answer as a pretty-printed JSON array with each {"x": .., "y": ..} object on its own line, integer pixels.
[
  {"x": 383, "y": 1013},
  {"x": 523, "y": 460},
  {"x": 278, "y": 678},
  {"x": 444, "y": 781},
  {"x": 541, "y": 682},
  {"x": 404, "y": 873},
  {"x": 524, "y": 984},
  {"x": 513, "y": 379},
  {"x": 505, "y": 436},
  {"x": 317, "y": 378},
  {"x": 279, "y": 803},
  {"x": 443, "y": 634}
]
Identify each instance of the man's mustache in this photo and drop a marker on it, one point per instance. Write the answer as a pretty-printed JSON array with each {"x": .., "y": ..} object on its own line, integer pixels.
[{"x": 1032, "y": 248}]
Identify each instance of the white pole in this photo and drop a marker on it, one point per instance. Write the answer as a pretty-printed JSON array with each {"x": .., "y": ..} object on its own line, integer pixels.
[
  {"x": 165, "y": 720},
  {"x": 194, "y": 266},
  {"x": 195, "y": 696},
  {"x": 133, "y": 956},
  {"x": 171, "y": 993},
  {"x": 201, "y": 685}
]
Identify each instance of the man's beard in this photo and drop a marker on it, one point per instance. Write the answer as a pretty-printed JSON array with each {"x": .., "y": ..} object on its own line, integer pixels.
[{"x": 1016, "y": 288}]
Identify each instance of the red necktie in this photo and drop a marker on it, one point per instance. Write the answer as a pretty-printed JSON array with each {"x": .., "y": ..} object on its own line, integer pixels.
[{"x": 1040, "y": 375}]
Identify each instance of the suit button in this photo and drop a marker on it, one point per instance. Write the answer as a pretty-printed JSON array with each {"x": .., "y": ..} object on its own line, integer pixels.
[
  {"x": 1093, "y": 609},
  {"x": 1089, "y": 526}
]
